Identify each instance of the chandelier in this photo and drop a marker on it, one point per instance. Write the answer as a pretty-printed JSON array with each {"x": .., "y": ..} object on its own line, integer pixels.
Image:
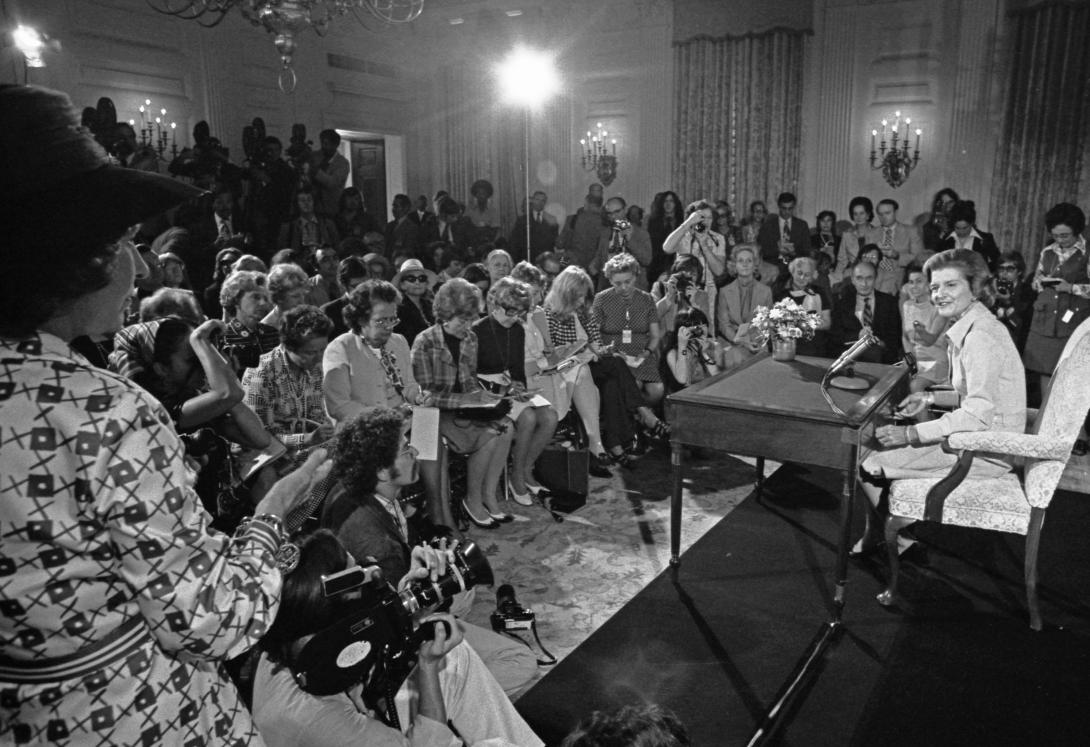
[
  {"x": 596, "y": 157},
  {"x": 285, "y": 18},
  {"x": 895, "y": 161}
]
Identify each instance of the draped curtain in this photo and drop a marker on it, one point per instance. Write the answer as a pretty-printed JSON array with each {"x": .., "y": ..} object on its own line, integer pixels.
[
  {"x": 1042, "y": 155},
  {"x": 739, "y": 116}
]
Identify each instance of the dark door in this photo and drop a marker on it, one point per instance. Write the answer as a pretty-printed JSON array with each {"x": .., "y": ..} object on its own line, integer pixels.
[{"x": 369, "y": 175}]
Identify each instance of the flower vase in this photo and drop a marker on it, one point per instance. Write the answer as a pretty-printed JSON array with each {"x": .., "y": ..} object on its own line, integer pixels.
[{"x": 783, "y": 350}]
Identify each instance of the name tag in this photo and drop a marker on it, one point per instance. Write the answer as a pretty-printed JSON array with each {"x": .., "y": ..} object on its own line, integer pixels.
[
  {"x": 626, "y": 335},
  {"x": 1067, "y": 316}
]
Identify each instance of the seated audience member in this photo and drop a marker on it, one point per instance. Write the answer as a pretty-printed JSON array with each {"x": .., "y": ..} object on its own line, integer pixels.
[
  {"x": 630, "y": 726},
  {"x": 449, "y": 225},
  {"x": 690, "y": 351},
  {"x": 1014, "y": 297},
  {"x": 783, "y": 236},
  {"x": 173, "y": 271},
  {"x": 449, "y": 688},
  {"x": 859, "y": 306},
  {"x": 499, "y": 264},
  {"x": 177, "y": 246},
  {"x": 799, "y": 286},
  {"x": 250, "y": 263},
  {"x": 852, "y": 241},
  {"x": 889, "y": 277},
  {"x": 182, "y": 368},
  {"x": 402, "y": 232},
  {"x": 372, "y": 463},
  {"x": 449, "y": 261},
  {"x": 414, "y": 313},
  {"x": 171, "y": 302},
  {"x": 445, "y": 363},
  {"x": 549, "y": 263},
  {"x": 824, "y": 238},
  {"x": 306, "y": 230},
  {"x": 478, "y": 275},
  {"x": 301, "y": 258},
  {"x": 378, "y": 267},
  {"x": 989, "y": 393},
  {"x": 285, "y": 388},
  {"x": 352, "y": 219},
  {"x": 351, "y": 271},
  {"x": 245, "y": 299},
  {"x": 751, "y": 224},
  {"x": 501, "y": 364},
  {"x": 736, "y": 304},
  {"x": 225, "y": 258},
  {"x": 964, "y": 233},
  {"x": 922, "y": 329},
  {"x": 288, "y": 288},
  {"x": 569, "y": 325},
  {"x": 681, "y": 288},
  {"x": 323, "y": 286}
]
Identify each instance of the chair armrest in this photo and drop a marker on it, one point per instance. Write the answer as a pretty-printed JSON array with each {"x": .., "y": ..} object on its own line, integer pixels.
[{"x": 1030, "y": 445}]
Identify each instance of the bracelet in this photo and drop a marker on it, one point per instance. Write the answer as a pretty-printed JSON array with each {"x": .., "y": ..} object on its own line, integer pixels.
[
  {"x": 929, "y": 398},
  {"x": 265, "y": 529}
]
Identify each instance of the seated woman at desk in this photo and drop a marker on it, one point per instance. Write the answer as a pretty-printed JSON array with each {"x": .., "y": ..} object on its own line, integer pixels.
[{"x": 989, "y": 391}]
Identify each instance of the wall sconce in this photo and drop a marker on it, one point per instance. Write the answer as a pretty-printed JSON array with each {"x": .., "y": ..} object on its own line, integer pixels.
[
  {"x": 597, "y": 157},
  {"x": 895, "y": 160}
]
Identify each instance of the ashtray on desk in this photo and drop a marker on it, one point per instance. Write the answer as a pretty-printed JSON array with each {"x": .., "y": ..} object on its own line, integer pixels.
[{"x": 855, "y": 383}]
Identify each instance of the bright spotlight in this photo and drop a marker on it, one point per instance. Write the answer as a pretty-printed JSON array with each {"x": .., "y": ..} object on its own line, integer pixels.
[
  {"x": 30, "y": 43},
  {"x": 527, "y": 77}
]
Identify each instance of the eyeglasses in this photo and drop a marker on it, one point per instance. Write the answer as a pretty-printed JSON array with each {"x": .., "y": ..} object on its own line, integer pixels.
[
  {"x": 1008, "y": 268},
  {"x": 517, "y": 313},
  {"x": 388, "y": 321},
  {"x": 415, "y": 278}
]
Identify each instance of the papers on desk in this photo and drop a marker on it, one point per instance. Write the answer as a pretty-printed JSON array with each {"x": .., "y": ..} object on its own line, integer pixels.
[{"x": 424, "y": 435}]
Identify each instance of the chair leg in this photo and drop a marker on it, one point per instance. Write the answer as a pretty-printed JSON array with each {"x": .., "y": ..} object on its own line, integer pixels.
[
  {"x": 1033, "y": 544},
  {"x": 894, "y": 524}
]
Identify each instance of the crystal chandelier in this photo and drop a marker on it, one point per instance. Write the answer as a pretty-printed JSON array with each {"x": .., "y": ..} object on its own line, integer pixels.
[{"x": 284, "y": 18}]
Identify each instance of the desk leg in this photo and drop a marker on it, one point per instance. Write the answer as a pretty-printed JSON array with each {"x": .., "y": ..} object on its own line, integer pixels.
[
  {"x": 675, "y": 503},
  {"x": 846, "y": 510},
  {"x": 760, "y": 478}
]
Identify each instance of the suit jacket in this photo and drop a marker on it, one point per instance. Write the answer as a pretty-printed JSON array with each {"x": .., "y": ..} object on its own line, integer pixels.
[
  {"x": 402, "y": 234},
  {"x": 728, "y": 307},
  {"x": 366, "y": 529},
  {"x": 543, "y": 235},
  {"x": 461, "y": 232},
  {"x": 984, "y": 245},
  {"x": 906, "y": 240},
  {"x": 291, "y": 235},
  {"x": 846, "y": 326},
  {"x": 769, "y": 236}
]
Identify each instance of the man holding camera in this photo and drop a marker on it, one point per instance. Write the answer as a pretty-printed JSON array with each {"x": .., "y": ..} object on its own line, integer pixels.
[{"x": 372, "y": 462}]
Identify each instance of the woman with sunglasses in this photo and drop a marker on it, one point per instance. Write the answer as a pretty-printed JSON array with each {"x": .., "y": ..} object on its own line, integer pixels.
[
  {"x": 414, "y": 312},
  {"x": 501, "y": 365}
]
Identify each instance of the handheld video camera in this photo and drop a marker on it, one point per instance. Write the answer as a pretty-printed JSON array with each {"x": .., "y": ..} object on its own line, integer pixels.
[{"x": 375, "y": 642}]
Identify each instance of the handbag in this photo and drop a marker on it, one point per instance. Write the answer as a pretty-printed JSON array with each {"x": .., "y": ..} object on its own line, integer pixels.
[{"x": 564, "y": 473}]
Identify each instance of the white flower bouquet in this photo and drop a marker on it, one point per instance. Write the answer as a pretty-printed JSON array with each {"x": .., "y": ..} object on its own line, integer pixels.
[{"x": 786, "y": 320}]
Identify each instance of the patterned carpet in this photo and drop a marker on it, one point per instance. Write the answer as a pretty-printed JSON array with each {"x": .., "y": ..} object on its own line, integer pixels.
[{"x": 577, "y": 573}]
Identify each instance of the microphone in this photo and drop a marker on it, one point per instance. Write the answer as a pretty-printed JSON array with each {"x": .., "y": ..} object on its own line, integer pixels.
[{"x": 866, "y": 340}]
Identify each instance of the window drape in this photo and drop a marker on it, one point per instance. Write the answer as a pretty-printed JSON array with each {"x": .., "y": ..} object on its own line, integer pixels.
[
  {"x": 739, "y": 116},
  {"x": 1042, "y": 155}
]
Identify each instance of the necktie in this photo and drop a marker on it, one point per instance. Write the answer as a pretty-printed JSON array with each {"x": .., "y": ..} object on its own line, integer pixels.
[
  {"x": 868, "y": 313},
  {"x": 887, "y": 237},
  {"x": 786, "y": 231},
  {"x": 537, "y": 217},
  {"x": 225, "y": 229}
]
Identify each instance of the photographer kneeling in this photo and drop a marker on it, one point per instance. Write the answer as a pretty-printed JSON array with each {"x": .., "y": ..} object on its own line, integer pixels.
[{"x": 449, "y": 682}]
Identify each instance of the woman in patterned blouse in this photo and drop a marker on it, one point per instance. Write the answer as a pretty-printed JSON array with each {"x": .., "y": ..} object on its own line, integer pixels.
[{"x": 125, "y": 600}]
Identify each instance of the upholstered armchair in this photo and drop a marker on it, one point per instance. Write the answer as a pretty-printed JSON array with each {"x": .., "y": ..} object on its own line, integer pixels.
[{"x": 1017, "y": 501}]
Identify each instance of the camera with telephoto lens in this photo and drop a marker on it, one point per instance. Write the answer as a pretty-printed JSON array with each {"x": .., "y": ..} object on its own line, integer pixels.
[
  {"x": 509, "y": 614},
  {"x": 375, "y": 642},
  {"x": 1004, "y": 287}
]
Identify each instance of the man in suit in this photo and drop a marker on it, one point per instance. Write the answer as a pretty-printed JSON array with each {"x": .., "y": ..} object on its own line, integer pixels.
[
  {"x": 578, "y": 241},
  {"x": 448, "y": 225},
  {"x": 328, "y": 174},
  {"x": 211, "y": 225},
  {"x": 544, "y": 229},
  {"x": 900, "y": 243},
  {"x": 402, "y": 233},
  {"x": 372, "y": 461},
  {"x": 784, "y": 236},
  {"x": 860, "y": 305}
]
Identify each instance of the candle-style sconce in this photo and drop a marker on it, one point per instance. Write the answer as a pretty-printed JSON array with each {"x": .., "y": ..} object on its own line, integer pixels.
[
  {"x": 154, "y": 132},
  {"x": 891, "y": 153},
  {"x": 598, "y": 156}
]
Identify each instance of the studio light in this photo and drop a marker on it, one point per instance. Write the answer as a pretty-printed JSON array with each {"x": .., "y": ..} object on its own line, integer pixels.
[
  {"x": 30, "y": 43},
  {"x": 527, "y": 78}
]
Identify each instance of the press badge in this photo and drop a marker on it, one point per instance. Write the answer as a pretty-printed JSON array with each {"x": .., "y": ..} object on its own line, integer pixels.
[
  {"x": 626, "y": 335},
  {"x": 1067, "y": 316}
]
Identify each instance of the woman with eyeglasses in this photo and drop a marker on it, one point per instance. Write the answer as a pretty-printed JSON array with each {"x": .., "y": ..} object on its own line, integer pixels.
[
  {"x": 414, "y": 312},
  {"x": 501, "y": 365},
  {"x": 1014, "y": 297},
  {"x": 1062, "y": 283}
]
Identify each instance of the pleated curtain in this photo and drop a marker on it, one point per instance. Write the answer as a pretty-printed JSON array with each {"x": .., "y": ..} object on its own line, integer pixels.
[
  {"x": 1042, "y": 155},
  {"x": 739, "y": 116}
]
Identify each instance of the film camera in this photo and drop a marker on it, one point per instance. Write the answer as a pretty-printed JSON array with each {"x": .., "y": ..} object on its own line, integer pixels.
[
  {"x": 1004, "y": 287},
  {"x": 509, "y": 614},
  {"x": 375, "y": 642}
]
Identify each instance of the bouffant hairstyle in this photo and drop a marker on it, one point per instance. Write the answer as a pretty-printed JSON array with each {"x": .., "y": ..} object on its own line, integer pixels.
[
  {"x": 793, "y": 264},
  {"x": 251, "y": 263},
  {"x": 621, "y": 262},
  {"x": 740, "y": 248},
  {"x": 970, "y": 264},
  {"x": 357, "y": 312},
  {"x": 529, "y": 273},
  {"x": 171, "y": 302},
  {"x": 304, "y": 607},
  {"x": 964, "y": 210},
  {"x": 570, "y": 288},
  {"x": 1066, "y": 214},
  {"x": 350, "y": 268},
  {"x": 509, "y": 293},
  {"x": 826, "y": 214},
  {"x": 456, "y": 297},
  {"x": 365, "y": 445},
  {"x": 303, "y": 323},
  {"x": 284, "y": 278},
  {"x": 237, "y": 285},
  {"x": 865, "y": 203},
  {"x": 630, "y": 726}
]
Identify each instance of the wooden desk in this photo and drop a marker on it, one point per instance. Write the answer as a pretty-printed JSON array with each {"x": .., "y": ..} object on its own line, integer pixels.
[{"x": 771, "y": 409}]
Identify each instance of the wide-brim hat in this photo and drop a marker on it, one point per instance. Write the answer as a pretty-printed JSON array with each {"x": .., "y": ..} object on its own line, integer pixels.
[
  {"x": 414, "y": 266},
  {"x": 57, "y": 182}
]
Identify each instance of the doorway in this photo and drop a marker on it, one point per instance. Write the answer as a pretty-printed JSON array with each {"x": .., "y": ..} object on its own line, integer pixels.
[{"x": 369, "y": 174}]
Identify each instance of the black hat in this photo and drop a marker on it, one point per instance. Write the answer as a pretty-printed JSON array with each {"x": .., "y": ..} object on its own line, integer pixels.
[{"x": 55, "y": 180}]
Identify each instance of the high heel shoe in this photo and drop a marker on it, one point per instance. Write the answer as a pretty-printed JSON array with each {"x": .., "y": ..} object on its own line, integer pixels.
[
  {"x": 523, "y": 499},
  {"x": 536, "y": 490},
  {"x": 600, "y": 464},
  {"x": 862, "y": 549},
  {"x": 489, "y": 524},
  {"x": 501, "y": 518}
]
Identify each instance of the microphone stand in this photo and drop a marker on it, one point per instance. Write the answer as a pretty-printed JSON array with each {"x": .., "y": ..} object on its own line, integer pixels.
[{"x": 846, "y": 358}]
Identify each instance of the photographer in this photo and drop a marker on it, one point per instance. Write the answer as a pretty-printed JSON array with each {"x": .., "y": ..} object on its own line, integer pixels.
[
  {"x": 373, "y": 461},
  {"x": 450, "y": 682},
  {"x": 1014, "y": 297}
]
